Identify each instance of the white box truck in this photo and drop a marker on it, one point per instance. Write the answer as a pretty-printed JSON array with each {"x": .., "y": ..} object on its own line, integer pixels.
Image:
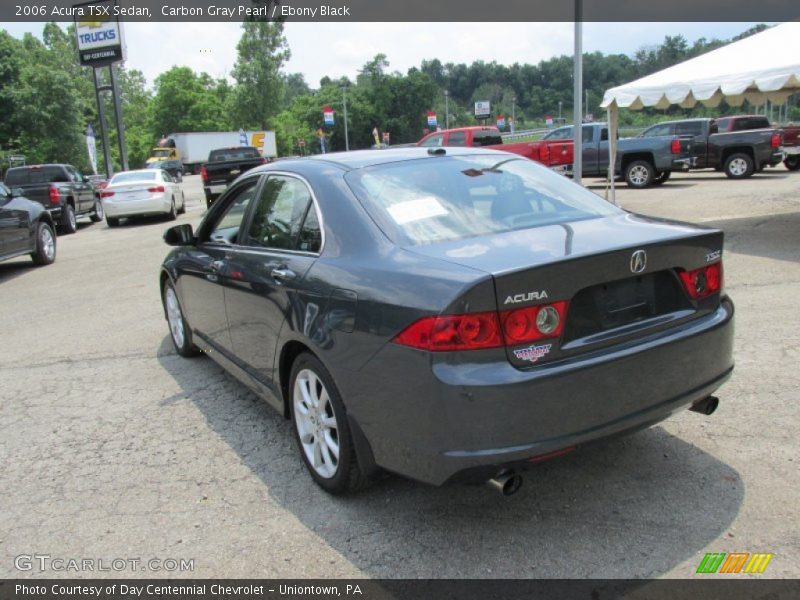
[{"x": 193, "y": 148}]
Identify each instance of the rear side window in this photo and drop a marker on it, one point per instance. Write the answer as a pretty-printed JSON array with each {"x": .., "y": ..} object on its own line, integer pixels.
[
  {"x": 747, "y": 123},
  {"x": 33, "y": 175},
  {"x": 457, "y": 138},
  {"x": 280, "y": 213},
  {"x": 658, "y": 130},
  {"x": 310, "y": 234},
  {"x": 693, "y": 128}
]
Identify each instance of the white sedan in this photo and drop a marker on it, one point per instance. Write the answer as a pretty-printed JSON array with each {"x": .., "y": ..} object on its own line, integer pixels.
[{"x": 142, "y": 192}]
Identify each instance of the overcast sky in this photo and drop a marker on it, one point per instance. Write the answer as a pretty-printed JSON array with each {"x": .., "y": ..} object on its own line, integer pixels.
[{"x": 320, "y": 49}]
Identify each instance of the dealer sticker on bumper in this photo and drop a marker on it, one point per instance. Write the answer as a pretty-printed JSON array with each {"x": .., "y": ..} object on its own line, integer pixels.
[{"x": 533, "y": 353}]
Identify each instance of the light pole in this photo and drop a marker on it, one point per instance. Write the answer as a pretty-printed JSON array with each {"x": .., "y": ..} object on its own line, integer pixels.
[
  {"x": 577, "y": 166},
  {"x": 446, "y": 109},
  {"x": 513, "y": 113},
  {"x": 559, "y": 110},
  {"x": 344, "y": 103}
]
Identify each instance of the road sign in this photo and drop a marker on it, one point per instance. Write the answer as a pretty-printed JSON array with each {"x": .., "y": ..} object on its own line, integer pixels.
[{"x": 483, "y": 109}]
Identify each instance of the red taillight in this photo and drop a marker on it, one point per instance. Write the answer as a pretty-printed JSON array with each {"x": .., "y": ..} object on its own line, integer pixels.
[
  {"x": 55, "y": 195},
  {"x": 675, "y": 147},
  {"x": 485, "y": 330},
  {"x": 453, "y": 332},
  {"x": 533, "y": 323},
  {"x": 702, "y": 283},
  {"x": 776, "y": 140},
  {"x": 156, "y": 188},
  {"x": 264, "y": 161},
  {"x": 204, "y": 173},
  {"x": 106, "y": 194},
  {"x": 544, "y": 153}
]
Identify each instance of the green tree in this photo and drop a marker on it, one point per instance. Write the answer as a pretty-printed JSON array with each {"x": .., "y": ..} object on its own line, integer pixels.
[{"x": 262, "y": 51}]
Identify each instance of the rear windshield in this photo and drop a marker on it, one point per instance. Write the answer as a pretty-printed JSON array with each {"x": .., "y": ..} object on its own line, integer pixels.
[
  {"x": 456, "y": 197},
  {"x": 485, "y": 138},
  {"x": 232, "y": 154},
  {"x": 32, "y": 175},
  {"x": 163, "y": 153},
  {"x": 134, "y": 176}
]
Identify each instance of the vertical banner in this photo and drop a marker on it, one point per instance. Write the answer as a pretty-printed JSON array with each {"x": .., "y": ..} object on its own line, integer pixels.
[
  {"x": 501, "y": 122},
  {"x": 327, "y": 115},
  {"x": 377, "y": 136},
  {"x": 548, "y": 120},
  {"x": 432, "y": 122},
  {"x": 242, "y": 137},
  {"x": 91, "y": 147}
]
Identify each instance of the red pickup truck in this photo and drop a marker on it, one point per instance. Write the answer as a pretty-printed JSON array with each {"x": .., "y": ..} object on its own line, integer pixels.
[
  {"x": 791, "y": 146},
  {"x": 551, "y": 153}
]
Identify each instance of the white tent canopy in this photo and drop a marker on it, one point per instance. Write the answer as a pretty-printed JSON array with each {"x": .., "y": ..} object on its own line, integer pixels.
[{"x": 764, "y": 66}]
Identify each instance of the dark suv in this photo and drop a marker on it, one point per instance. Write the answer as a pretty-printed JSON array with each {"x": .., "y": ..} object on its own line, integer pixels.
[{"x": 173, "y": 167}]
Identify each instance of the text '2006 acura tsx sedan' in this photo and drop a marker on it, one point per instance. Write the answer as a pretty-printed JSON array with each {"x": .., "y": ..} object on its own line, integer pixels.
[{"x": 447, "y": 314}]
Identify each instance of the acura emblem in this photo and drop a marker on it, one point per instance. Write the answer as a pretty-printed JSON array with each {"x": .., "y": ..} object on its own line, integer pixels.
[{"x": 638, "y": 261}]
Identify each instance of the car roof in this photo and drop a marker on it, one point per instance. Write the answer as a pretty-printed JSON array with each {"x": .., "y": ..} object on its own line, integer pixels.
[
  {"x": 359, "y": 159},
  {"x": 148, "y": 171}
]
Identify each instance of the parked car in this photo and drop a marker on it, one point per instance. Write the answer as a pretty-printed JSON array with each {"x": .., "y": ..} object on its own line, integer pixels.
[
  {"x": 738, "y": 152},
  {"x": 25, "y": 228},
  {"x": 447, "y": 313},
  {"x": 224, "y": 165},
  {"x": 173, "y": 167},
  {"x": 487, "y": 137},
  {"x": 641, "y": 162},
  {"x": 61, "y": 189},
  {"x": 140, "y": 193}
]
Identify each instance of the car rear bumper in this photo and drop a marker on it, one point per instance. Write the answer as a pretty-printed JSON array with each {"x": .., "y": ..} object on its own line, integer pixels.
[
  {"x": 791, "y": 150},
  {"x": 432, "y": 421},
  {"x": 157, "y": 205}
]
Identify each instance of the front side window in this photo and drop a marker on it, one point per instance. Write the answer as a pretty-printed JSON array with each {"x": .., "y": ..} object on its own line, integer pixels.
[
  {"x": 456, "y": 197},
  {"x": 562, "y": 133},
  {"x": 279, "y": 214},
  {"x": 226, "y": 228}
]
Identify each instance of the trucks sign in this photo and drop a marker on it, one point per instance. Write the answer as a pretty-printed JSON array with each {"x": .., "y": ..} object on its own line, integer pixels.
[
  {"x": 99, "y": 34},
  {"x": 483, "y": 110}
]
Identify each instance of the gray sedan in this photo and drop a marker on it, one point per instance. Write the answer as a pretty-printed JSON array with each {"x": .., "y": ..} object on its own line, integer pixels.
[{"x": 447, "y": 314}]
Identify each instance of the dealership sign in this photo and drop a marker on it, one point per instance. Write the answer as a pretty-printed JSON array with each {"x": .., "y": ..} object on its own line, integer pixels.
[
  {"x": 99, "y": 34},
  {"x": 483, "y": 110}
]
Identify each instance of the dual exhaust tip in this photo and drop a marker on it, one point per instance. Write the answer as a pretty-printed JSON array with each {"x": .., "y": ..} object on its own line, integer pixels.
[{"x": 507, "y": 483}]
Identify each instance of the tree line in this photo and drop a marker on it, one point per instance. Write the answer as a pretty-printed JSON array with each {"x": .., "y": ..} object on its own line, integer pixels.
[{"x": 47, "y": 99}]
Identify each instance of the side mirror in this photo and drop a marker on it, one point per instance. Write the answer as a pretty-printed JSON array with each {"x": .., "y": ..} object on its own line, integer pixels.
[{"x": 180, "y": 235}]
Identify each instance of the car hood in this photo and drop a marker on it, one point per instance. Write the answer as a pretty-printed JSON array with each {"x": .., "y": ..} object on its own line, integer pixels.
[{"x": 514, "y": 250}]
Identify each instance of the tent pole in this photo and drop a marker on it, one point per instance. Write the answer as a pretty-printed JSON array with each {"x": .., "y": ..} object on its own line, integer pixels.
[
  {"x": 577, "y": 167},
  {"x": 612, "y": 115}
]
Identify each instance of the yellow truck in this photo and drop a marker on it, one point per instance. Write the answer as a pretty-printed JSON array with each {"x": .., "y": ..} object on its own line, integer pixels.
[{"x": 193, "y": 148}]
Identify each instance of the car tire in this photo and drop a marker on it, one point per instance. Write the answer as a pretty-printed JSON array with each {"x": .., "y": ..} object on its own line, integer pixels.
[
  {"x": 112, "y": 221},
  {"x": 321, "y": 429},
  {"x": 792, "y": 162},
  {"x": 662, "y": 177},
  {"x": 179, "y": 331},
  {"x": 98, "y": 213},
  {"x": 173, "y": 211},
  {"x": 739, "y": 166},
  {"x": 182, "y": 208},
  {"x": 45, "y": 252},
  {"x": 639, "y": 174},
  {"x": 68, "y": 223}
]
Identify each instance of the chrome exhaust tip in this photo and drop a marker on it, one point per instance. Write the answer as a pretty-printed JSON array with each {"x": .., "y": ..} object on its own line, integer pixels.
[{"x": 507, "y": 483}]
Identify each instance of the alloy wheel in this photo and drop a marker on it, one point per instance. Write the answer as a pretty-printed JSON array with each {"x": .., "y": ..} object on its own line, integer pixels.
[
  {"x": 175, "y": 317},
  {"x": 316, "y": 423}
]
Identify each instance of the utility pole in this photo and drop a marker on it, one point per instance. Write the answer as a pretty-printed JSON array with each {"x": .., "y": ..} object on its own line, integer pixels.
[
  {"x": 513, "y": 113},
  {"x": 559, "y": 111},
  {"x": 344, "y": 103},
  {"x": 446, "y": 109},
  {"x": 577, "y": 168}
]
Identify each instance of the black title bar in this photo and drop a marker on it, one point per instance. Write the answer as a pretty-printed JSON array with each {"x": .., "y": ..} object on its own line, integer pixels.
[{"x": 342, "y": 11}]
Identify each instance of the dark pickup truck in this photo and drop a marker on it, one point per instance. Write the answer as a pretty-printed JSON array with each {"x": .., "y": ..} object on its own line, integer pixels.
[
  {"x": 725, "y": 145},
  {"x": 61, "y": 189},
  {"x": 224, "y": 165},
  {"x": 641, "y": 162}
]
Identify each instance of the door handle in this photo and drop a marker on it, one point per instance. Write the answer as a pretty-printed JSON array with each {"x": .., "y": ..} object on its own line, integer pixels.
[{"x": 283, "y": 274}]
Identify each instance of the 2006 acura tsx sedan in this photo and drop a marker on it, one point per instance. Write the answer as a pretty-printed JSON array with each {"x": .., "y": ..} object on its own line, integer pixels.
[{"x": 447, "y": 314}]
